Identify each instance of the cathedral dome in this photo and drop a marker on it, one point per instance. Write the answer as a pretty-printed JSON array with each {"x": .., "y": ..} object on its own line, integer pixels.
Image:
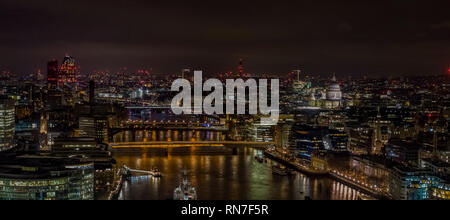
[
  {"x": 334, "y": 86},
  {"x": 334, "y": 92}
]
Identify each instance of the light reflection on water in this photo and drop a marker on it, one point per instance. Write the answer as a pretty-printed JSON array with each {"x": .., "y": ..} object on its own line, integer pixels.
[
  {"x": 167, "y": 135},
  {"x": 223, "y": 176}
]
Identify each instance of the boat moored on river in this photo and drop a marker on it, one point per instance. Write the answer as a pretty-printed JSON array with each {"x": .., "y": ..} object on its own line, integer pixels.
[{"x": 185, "y": 191}]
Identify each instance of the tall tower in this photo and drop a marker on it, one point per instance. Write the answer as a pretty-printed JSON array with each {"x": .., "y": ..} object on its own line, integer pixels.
[
  {"x": 298, "y": 74},
  {"x": 185, "y": 73},
  {"x": 68, "y": 71},
  {"x": 240, "y": 68},
  {"x": 298, "y": 85},
  {"x": 91, "y": 92},
  {"x": 52, "y": 75},
  {"x": 54, "y": 94}
]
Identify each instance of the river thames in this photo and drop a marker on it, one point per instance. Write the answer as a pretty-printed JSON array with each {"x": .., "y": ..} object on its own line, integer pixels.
[{"x": 220, "y": 174}]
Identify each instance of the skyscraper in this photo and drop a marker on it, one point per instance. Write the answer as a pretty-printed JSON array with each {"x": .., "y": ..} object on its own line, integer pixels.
[
  {"x": 68, "y": 70},
  {"x": 240, "y": 72},
  {"x": 92, "y": 92},
  {"x": 7, "y": 123},
  {"x": 54, "y": 95},
  {"x": 52, "y": 75}
]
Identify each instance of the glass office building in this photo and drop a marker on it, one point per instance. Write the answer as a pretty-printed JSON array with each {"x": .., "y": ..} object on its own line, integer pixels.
[{"x": 46, "y": 179}]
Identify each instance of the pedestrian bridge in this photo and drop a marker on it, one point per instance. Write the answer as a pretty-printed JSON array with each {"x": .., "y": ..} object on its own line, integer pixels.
[{"x": 129, "y": 170}]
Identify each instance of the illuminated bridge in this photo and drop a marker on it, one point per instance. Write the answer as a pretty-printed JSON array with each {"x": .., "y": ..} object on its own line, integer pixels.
[
  {"x": 178, "y": 144},
  {"x": 148, "y": 107}
]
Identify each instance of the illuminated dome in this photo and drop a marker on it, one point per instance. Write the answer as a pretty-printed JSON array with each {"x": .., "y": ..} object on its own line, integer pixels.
[{"x": 334, "y": 91}]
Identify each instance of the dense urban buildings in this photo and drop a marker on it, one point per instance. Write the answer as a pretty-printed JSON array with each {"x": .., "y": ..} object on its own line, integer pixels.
[
  {"x": 359, "y": 119},
  {"x": 382, "y": 138},
  {"x": 7, "y": 122}
]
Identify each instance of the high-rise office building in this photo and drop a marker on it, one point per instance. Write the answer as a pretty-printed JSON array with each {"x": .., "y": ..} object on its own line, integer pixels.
[
  {"x": 95, "y": 126},
  {"x": 68, "y": 71},
  {"x": 7, "y": 123},
  {"x": 92, "y": 92},
  {"x": 52, "y": 75},
  {"x": 54, "y": 95},
  {"x": 68, "y": 80}
]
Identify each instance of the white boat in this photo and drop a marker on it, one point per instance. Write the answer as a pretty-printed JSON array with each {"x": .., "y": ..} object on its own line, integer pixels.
[
  {"x": 185, "y": 191},
  {"x": 156, "y": 173}
]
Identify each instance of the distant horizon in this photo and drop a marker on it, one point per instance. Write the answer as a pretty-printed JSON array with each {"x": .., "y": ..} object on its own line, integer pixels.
[
  {"x": 43, "y": 69},
  {"x": 379, "y": 38}
]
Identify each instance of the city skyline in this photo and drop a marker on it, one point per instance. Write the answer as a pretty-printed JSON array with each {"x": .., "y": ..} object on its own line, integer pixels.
[
  {"x": 347, "y": 38},
  {"x": 224, "y": 100}
]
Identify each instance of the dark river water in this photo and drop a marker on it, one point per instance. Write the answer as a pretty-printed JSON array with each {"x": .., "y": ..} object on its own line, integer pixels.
[{"x": 217, "y": 174}]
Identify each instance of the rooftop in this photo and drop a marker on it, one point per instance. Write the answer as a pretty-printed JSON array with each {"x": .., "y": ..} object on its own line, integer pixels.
[{"x": 37, "y": 167}]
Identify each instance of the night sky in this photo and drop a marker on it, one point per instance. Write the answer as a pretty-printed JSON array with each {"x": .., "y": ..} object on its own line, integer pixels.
[{"x": 386, "y": 37}]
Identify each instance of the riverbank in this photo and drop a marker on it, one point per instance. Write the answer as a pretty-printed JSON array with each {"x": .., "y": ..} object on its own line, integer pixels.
[
  {"x": 296, "y": 166},
  {"x": 118, "y": 184},
  {"x": 373, "y": 191}
]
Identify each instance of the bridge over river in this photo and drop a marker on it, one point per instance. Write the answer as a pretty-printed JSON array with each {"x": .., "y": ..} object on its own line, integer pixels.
[{"x": 179, "y": 144}]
